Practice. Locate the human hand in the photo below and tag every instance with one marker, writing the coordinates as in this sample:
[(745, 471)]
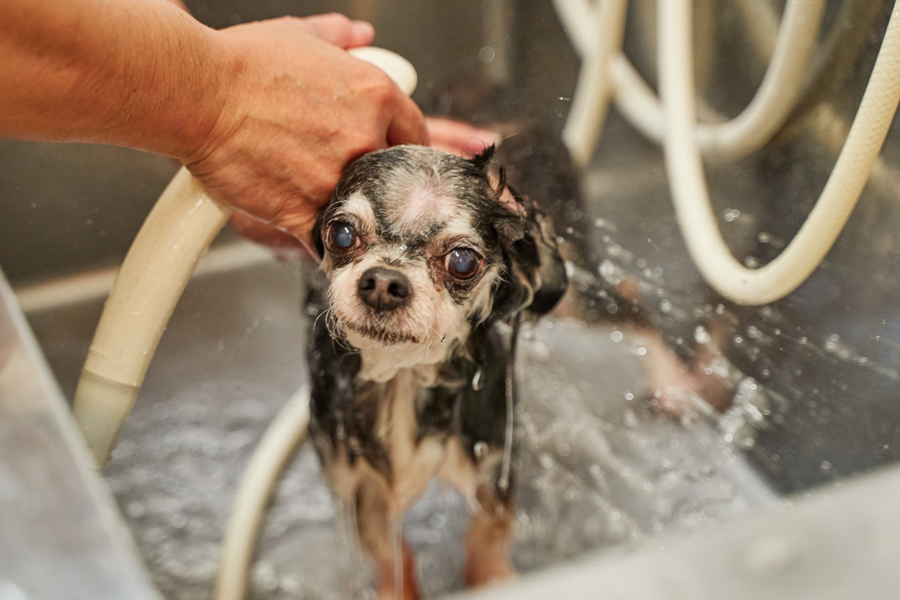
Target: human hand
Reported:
[(298, 110), (451, 136), (457, 137)]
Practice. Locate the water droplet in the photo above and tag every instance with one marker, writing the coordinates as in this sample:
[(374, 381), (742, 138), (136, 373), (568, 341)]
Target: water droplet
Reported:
[(478, 384), (487, 55), (701, 336), (545, 461), (731, 214), (135, 510), (178, 521), (616, 336), (480, 449)]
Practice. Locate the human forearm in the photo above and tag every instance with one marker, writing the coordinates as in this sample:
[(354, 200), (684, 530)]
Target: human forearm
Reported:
[(138, 73), (267, 115)]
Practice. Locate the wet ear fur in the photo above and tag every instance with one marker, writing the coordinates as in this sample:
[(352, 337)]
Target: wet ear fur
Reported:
[(507, 219), (535, 274), (481, 160), (535, 278)]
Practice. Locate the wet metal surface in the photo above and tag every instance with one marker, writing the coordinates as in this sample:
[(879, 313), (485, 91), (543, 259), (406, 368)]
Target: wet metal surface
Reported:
[(60, 536), (836, 543), (597, 465)]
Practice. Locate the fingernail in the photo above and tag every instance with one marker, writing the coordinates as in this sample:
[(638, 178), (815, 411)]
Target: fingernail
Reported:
[(364, 29)]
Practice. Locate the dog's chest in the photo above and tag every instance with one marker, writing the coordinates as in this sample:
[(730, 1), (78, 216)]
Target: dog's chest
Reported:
[(395, 446), (415, 458)]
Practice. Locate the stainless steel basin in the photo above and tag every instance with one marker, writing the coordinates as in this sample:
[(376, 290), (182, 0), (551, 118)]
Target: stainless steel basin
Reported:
[(810, 382), (599, 467)]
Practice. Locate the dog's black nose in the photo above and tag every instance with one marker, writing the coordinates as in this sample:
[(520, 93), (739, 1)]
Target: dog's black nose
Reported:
[(384, 289)]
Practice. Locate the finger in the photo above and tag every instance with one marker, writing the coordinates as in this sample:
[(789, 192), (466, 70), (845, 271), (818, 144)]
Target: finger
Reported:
[(263, 233), (340, 31), (408, 125), (458, 137)]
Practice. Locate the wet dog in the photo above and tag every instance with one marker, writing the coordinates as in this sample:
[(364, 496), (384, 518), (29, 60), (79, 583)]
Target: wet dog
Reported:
[(430, 262)]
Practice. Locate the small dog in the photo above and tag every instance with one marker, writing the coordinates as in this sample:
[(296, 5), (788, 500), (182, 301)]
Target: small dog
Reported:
[(430, 261)]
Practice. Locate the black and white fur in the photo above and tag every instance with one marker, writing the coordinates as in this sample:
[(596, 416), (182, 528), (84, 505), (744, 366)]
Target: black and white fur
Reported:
[(410, 363)]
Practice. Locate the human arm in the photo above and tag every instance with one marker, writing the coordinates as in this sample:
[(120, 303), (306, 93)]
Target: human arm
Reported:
[(267, 114)]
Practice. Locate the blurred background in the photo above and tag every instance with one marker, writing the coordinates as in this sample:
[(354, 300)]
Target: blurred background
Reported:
[(650, 405)]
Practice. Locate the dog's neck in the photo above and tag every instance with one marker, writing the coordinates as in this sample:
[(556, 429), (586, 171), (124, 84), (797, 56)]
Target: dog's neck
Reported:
[(382, 364)]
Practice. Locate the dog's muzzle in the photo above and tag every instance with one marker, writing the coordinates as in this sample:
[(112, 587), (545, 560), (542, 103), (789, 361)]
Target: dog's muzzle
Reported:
[(384, 289)]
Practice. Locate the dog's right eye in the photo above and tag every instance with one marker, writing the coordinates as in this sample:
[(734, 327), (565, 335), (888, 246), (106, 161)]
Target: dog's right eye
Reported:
[(342, 236), (463, 263)]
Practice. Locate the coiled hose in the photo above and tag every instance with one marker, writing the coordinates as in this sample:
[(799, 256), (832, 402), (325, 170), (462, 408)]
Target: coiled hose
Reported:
[(740, 136), (673, 122), (687, 180)]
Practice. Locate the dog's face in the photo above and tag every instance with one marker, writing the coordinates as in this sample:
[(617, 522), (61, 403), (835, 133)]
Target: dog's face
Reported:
[(420, 246)]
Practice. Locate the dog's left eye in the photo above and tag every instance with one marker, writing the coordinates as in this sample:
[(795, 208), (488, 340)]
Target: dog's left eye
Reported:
[(463, 263), (342, 236)]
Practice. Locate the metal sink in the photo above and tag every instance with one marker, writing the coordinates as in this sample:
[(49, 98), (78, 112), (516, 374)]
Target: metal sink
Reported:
[(600, 468), (814, 377)]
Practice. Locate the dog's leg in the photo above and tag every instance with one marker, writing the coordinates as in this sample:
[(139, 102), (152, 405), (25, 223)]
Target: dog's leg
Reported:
[(488, 540), (383, 540)]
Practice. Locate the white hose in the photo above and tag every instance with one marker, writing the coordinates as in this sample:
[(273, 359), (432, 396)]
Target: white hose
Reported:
[(594, 90), (771, 104), (286, 432), (685, 168), (744, 134), (159, 264)]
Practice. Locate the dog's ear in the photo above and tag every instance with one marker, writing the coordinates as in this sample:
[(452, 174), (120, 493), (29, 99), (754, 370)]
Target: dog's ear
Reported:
[(318, 243), (535, 275), (483, 158), (552, 275)]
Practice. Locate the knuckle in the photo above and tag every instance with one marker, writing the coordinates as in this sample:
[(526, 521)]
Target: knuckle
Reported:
[(380, 88)]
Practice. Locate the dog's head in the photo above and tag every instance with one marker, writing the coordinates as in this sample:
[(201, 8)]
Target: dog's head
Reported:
[(421, 246)]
